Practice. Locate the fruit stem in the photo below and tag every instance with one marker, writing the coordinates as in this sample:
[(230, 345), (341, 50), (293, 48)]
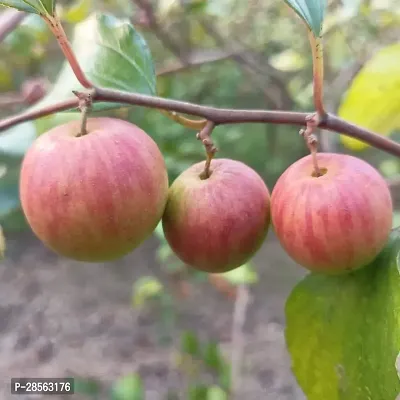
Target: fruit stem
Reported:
[(312, 122), (85, 106), (54, 23), (205, 136)]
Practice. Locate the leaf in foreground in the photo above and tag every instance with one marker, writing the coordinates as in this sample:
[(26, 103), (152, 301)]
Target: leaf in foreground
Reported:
[(343, 333)]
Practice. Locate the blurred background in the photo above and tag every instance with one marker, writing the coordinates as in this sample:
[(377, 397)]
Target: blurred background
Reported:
[(146, 326)]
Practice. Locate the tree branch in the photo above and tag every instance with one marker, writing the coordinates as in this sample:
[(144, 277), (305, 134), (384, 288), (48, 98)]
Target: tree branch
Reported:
[(9, 20), (219, 116)]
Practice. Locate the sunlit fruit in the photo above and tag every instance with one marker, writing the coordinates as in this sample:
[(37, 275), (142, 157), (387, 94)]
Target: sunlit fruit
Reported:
[(217, 224), (94, 197), (336, 222)]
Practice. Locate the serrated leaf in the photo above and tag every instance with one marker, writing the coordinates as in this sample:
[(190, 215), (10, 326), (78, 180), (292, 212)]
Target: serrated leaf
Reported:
[(343, 332), (373, 99), (31, 6), (144, 289), (242, 275), (112, 54), (312, 12), (129, 387)]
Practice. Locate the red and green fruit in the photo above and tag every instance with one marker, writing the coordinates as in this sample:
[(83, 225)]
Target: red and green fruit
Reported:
[(94, 197), (336, 222), (217, 224)]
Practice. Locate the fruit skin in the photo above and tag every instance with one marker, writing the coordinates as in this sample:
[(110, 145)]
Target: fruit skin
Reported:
[(95, 197), (217, 224), (337, 222)]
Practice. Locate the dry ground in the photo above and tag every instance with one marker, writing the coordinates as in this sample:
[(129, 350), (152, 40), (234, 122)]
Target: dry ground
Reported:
[(59, 316)]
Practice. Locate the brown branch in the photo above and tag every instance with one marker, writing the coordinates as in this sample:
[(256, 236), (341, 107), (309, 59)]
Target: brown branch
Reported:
[(9, 20), (57, 29), (218, 116)]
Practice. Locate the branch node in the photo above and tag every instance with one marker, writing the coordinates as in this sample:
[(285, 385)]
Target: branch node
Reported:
[(205, 136)]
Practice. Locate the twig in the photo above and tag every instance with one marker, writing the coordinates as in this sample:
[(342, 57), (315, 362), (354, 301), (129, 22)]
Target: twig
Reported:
[(318, 72), (57, 29), (219, 116), (239, 319), (9, 20)]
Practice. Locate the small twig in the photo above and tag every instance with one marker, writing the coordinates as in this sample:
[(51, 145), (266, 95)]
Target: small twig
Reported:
[(85, 103), (237, 342), (205, 136), (57, 29)]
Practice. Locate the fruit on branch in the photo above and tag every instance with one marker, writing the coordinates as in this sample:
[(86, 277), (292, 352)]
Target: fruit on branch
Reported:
[(217, 224), (336, 222), (94, 197)]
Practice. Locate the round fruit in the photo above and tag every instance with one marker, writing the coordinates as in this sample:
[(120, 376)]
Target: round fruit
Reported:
[(217, 224), (94, 197), (336, 222)]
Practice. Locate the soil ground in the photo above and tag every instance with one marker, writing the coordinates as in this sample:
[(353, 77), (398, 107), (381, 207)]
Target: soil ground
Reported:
[(59, 317)]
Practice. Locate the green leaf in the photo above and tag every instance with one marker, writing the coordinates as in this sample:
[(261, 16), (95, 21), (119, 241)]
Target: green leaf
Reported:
[(190, 344), (197, 392), (373, 99), (213, 357), (31, 6), (242, 275), (145, 288), (129, 387), (216, 393), (2, 243), (112, 54), (343, 333), (311, 11)]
